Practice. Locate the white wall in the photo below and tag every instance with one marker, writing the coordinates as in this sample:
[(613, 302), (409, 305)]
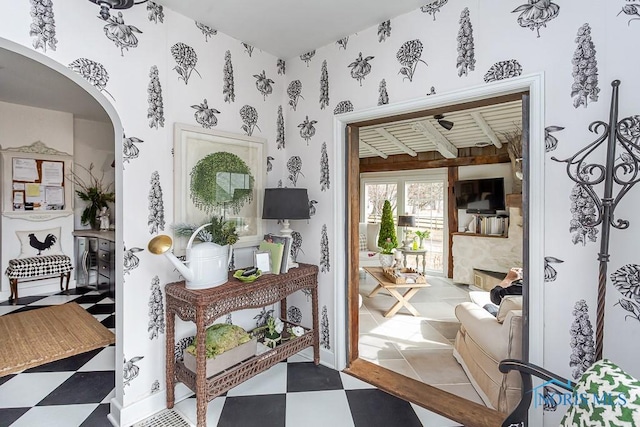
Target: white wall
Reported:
[(20, 126)]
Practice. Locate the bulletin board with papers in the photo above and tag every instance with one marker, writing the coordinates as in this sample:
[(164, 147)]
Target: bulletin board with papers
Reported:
[(35, 183)]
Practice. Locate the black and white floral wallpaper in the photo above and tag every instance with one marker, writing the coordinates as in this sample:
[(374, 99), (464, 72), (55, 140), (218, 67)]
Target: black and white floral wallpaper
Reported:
[(204, 115), (43, 25), (169, 43), (186, 61), (409, 56), (582, 344), (585, 69), (360, 67), (324, 85), (121, 34), (155, 112), (207, 31), (156, 309), (156, 205), (536, 14)]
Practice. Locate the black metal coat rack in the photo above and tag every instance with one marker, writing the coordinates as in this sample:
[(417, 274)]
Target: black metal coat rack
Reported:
[(619, 174)]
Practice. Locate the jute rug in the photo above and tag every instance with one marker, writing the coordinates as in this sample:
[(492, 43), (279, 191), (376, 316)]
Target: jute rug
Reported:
[(35, 337)]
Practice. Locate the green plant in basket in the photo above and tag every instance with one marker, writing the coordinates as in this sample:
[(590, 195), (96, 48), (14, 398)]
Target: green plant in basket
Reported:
[(220, 338), (272, 331)]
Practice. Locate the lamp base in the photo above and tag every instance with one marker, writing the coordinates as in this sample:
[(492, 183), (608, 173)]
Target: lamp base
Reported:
[(286, 232)]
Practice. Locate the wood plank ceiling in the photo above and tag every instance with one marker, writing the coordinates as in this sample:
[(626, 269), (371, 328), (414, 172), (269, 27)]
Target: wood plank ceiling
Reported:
[(476, 127)]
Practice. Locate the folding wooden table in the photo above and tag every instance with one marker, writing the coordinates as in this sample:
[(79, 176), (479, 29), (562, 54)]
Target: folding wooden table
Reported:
[(392, 288)]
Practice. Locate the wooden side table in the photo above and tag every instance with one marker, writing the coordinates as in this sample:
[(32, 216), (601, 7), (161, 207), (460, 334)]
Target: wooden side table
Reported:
[(204, 306), (417, 253)]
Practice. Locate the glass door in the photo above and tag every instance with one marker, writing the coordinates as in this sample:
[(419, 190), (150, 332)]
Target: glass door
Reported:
[(374, 196), (425, 199)]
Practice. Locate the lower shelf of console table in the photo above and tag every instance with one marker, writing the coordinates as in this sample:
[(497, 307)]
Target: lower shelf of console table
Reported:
[(227, 379)]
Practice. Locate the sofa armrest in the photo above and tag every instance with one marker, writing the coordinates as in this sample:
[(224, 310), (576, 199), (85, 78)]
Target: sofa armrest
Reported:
[(499, 341)]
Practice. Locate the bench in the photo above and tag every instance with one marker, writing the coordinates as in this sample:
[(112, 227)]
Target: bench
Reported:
[(37, 268)]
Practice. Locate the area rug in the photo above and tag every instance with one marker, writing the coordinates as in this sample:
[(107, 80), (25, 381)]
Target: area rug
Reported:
[(35, 337)]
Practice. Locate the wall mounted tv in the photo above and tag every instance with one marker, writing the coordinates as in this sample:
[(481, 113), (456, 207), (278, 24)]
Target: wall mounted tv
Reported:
[(484, 195)]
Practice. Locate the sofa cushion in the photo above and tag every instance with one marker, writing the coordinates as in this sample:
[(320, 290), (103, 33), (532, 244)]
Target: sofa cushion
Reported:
[(511, 302), (363, 242), (372, 236), (605, 379)]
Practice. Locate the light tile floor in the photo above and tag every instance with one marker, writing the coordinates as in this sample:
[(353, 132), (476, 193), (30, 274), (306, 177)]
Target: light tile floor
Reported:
[(417, 347)]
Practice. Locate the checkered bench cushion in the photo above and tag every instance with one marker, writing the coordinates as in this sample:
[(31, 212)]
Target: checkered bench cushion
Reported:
[(49, 265)]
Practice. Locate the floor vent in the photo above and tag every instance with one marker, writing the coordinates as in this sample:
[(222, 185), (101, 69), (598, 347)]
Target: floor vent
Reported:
[(166, 418)]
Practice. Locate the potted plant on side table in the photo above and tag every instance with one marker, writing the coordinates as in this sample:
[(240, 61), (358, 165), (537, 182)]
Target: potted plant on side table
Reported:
[(422, 235)]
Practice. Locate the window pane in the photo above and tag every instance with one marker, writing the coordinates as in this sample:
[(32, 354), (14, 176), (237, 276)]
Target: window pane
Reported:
[(426, 201), (374, 197)]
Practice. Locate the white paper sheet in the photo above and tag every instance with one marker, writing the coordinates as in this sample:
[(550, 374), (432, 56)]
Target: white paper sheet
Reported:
[(18, 198), (51, 173), (54, 195), (25, 170)]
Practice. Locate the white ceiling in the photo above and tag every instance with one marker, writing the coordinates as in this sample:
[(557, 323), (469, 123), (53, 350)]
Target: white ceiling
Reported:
[(288, 28), (24, 81)]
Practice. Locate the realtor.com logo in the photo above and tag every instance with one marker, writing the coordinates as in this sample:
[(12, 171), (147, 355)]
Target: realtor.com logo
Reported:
[(549, 397)]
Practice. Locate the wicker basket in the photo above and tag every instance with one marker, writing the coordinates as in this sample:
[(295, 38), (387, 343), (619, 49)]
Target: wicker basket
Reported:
[(404, 275)]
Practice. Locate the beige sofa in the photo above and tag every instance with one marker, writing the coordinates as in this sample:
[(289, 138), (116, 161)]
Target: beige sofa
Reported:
[(483, 341)]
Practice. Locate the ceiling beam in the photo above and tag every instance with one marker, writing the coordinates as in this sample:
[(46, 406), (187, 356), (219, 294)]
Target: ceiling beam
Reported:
[(373, 150), (443, 145), (395, 141), (482, 123)]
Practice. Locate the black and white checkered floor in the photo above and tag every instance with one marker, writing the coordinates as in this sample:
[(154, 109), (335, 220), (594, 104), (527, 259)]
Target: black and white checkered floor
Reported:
[(76, 391)]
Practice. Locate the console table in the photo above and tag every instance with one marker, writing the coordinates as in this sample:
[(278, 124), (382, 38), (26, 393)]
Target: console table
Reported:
[(204, 306)]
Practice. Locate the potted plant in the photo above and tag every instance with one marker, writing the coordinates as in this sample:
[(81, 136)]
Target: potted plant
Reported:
[(94, 192), (386, 253), (219, 231), (422, 235), (387, 227)]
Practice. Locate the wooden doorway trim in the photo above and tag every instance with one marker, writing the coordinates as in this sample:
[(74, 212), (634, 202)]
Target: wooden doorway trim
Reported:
[(346, 298)]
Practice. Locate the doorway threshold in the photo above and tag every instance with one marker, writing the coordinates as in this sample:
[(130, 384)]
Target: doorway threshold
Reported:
[(434, 399)]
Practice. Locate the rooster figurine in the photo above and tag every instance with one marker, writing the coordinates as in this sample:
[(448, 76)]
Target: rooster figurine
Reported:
[(49, 241)]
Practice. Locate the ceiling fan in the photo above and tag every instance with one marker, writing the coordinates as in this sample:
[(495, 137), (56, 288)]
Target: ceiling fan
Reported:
[(448, 125)]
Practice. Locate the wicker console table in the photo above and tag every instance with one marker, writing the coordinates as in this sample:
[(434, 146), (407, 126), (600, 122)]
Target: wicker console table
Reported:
[(204, 306)]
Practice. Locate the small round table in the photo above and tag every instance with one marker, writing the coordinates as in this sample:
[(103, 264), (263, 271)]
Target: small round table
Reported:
[(417, 253)]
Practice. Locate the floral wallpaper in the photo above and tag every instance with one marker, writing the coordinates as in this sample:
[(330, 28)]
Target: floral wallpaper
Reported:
[(166, 68)]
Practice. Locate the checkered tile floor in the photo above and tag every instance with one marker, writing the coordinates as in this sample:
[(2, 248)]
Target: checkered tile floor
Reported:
[(76, 391)]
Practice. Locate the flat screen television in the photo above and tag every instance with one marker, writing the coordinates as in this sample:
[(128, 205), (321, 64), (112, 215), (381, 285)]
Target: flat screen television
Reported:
[(484, 195)]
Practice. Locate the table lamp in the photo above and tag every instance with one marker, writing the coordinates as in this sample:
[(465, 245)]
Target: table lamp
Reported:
[(406, 221), (286, 204)]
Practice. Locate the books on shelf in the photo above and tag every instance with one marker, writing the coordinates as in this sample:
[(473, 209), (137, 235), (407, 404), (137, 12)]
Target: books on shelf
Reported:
[(279, 247)]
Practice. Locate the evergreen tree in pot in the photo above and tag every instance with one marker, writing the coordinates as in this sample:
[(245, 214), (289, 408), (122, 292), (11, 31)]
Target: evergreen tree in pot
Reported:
[(387, 239)]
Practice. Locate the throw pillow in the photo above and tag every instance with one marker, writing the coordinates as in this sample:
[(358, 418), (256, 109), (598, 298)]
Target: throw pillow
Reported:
[(39, 242), (508, 303), (372, 237), (363, 242), (611, 398)]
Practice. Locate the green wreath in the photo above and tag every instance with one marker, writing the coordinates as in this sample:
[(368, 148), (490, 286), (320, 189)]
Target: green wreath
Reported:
[(221, 180)]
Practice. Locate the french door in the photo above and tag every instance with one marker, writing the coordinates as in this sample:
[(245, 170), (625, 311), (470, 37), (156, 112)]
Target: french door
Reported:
[(421, 194)]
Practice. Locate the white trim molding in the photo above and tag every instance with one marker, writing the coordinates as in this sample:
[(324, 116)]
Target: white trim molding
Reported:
[(534, 84)]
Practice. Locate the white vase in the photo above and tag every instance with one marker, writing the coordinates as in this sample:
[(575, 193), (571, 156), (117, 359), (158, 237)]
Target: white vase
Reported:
[(386, 260)]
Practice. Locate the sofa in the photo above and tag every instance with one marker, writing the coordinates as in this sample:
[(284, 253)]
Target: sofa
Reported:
[(368, 238), (483, 341)]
